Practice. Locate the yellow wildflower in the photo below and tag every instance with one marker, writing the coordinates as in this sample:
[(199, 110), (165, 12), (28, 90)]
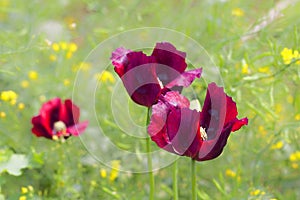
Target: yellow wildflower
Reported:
[(69, 55), (24, 190), (278, 108), (295, 165), (288, 55), (33, 75), (105, 76), (262, 130), (84, 66), (21, 106), (42, 98), (295, 156), (115, 170), (55, 47), (9, 96), (63, 45), (52, 57), (67, 82), (297, 117), (22, 198), (30, 188), (237, 12), (72, 47), (2, 114), (230, 173), (277, 145), (264, 69), (245, 67), (103, 173), (24, 84), (255, 192), (290, 99)]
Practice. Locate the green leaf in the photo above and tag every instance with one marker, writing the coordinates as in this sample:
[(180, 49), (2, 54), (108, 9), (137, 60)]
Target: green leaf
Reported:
[(36, 160), (14, 165)]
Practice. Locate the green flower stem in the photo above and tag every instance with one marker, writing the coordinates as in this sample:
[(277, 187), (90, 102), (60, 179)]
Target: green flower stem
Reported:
[(175, 183), (193, 176), (149, 157)]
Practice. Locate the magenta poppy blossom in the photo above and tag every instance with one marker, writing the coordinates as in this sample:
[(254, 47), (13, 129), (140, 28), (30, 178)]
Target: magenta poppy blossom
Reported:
[(147, 77), (199, 135), (58, 120)]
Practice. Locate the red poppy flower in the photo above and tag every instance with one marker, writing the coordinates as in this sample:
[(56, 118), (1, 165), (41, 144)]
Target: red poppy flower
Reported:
[(199, 135), (146, 77), (58, 120)]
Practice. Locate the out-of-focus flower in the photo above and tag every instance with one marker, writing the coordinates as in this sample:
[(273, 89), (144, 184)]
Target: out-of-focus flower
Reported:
[(265, 70), (105, 76), (84, 66), (21, 106), (9, 96), (115, 164), (32, 75), (24, 84), (288, 55), (199, 135), (103, 173), (245, 67), (72, 47), (55, 47), (295, 165), (237, 12), (52, 57), (67, 82), (42, 98), (58, 120), (230, 173), (257, 192), (262, 130), (2, 114), (63, 45), (147, 77), (290, 99), (24, 190), (295, 156), (22, 197), (277, 145), (297, 117), (71, 23)]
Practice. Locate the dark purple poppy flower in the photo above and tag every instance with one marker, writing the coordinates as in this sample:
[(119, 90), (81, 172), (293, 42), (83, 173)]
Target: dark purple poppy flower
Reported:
[(58, 120), (146, 77), (199, 135)]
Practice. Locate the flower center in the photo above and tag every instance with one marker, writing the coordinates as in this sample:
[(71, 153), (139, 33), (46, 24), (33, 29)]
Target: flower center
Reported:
[(203, 133), (60, 126), (60, 129)]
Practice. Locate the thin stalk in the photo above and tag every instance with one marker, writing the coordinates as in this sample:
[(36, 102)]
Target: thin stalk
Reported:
[(193, 177), (175, 182), (149, 157)]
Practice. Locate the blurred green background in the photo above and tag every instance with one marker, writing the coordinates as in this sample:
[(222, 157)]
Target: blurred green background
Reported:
[(255, 44)]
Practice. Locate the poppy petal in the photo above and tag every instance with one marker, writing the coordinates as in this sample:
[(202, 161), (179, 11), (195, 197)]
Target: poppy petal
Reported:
[(77, 129), (186, 78), (119, 60), (171, 62), (140, 79)]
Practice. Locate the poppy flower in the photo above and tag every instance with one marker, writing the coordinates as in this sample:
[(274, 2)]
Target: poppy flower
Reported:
[(58, 120), (147, 77), (199, 135)]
